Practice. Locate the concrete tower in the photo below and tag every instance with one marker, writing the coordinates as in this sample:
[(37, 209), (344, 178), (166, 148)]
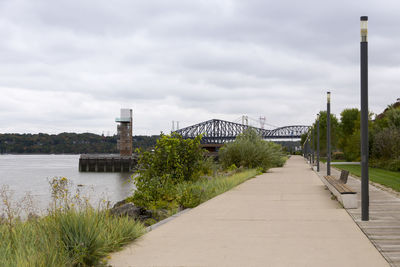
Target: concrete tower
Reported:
[(124, 128)]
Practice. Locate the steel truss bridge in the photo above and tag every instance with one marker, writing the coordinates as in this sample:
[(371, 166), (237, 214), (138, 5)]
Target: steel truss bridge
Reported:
[(219, 132)]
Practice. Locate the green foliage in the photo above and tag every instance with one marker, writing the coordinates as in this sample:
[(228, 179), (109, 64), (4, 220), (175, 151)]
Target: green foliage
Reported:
[(351, 148), (250, 151), (79, 233), (68, 238), (174, 160), (393, 117), (192, 194), (387, 144), (67, 143), (349, 121), (385, 139), (335, 131), (387, 164), (73, 235), (337, 156), (349, 140)]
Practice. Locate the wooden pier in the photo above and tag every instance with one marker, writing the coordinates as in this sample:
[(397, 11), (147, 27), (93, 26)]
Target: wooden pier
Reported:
[(107, 163)]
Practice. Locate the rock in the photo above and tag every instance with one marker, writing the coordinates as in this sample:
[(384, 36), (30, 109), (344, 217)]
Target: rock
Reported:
[(127, 209), (119, 203)]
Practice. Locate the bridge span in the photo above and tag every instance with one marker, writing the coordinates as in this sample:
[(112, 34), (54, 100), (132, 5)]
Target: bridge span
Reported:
[(218, 132)]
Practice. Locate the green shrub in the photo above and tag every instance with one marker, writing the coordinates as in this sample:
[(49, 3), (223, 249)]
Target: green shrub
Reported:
[(74, 236), (387, 164), (174, 160), (250, 151), (338, 155), (192, 194), (189, 195)]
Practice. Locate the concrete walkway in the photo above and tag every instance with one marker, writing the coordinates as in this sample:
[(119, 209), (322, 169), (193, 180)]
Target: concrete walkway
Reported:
[(383, 227), (282, 218)]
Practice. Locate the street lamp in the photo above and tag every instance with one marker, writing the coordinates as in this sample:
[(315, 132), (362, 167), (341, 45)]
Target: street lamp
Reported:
[(318, 142), (364, 118), (328, 134)]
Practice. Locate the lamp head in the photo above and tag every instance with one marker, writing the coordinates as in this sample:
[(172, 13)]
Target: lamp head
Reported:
[(364, 28)]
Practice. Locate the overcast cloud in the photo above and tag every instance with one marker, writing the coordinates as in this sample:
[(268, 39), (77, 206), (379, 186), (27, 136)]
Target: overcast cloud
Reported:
[(69, 65)]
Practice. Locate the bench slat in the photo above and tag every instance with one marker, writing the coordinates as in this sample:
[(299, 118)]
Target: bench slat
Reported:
[(340, 187)]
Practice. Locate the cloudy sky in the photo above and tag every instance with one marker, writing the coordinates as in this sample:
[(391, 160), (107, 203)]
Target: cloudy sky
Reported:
[(70, 65)]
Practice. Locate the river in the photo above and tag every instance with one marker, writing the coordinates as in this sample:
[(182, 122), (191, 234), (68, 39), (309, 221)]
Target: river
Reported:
[(31, 173)]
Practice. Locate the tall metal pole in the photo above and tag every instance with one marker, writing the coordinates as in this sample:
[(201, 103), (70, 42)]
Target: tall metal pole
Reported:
[(328, 134), (364, 119), (318, 143), (313, 145)]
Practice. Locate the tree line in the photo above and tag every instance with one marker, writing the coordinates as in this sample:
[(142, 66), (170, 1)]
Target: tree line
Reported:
[(384, 136), (67, 143)]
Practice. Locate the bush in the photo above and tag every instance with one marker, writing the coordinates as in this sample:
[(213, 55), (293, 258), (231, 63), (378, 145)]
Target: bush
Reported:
[(77, 235), (386, 144), (250, 151), (338, 155), (388, 164), (174, 160)]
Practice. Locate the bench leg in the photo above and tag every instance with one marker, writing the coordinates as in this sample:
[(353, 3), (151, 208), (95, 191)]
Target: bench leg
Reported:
[(349, 201)]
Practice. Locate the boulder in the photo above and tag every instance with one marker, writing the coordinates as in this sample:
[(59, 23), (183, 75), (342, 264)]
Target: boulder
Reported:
[(127, 209), (119, 203)]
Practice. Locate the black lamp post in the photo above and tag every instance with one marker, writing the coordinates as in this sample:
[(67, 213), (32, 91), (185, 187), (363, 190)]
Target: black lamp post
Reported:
[(328, 134), (312, 146), (364, 119)]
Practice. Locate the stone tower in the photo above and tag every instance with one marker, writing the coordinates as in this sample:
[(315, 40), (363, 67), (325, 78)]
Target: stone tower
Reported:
[(124, 143)]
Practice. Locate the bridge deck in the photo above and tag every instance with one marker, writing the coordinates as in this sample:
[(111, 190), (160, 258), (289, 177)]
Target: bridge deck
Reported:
[(282, 218)]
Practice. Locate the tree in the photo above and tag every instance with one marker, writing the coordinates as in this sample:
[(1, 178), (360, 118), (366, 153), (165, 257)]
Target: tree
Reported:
[(349, 140), (322, 132)]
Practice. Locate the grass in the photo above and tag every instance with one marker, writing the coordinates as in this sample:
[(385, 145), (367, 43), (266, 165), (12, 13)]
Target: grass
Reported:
[(332, 160), (73, 233), (67, 238), (387, 178), (192, 194)]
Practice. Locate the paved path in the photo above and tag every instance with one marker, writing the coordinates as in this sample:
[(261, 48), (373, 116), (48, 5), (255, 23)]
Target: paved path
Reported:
[(383, 228), (282, 218)]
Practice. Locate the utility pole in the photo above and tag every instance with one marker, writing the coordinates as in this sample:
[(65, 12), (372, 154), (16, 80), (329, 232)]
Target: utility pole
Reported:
[(364, 119), (328, 134), (318, 142)]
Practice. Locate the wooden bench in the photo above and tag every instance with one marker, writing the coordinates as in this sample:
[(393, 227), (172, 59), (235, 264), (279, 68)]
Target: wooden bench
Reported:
[(346, 195)]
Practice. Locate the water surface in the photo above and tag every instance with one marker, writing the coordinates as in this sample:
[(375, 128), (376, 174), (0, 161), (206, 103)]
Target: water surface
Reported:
[(31, 173)]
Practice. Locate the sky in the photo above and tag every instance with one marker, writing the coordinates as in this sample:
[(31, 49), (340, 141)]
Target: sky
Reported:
[(70, 65)]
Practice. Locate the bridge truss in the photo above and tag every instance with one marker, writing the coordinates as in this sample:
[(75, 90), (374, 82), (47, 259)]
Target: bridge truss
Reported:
[(219, 131)]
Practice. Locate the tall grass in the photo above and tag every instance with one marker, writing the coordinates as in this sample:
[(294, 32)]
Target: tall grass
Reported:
[(70, 235), (192, 194)]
